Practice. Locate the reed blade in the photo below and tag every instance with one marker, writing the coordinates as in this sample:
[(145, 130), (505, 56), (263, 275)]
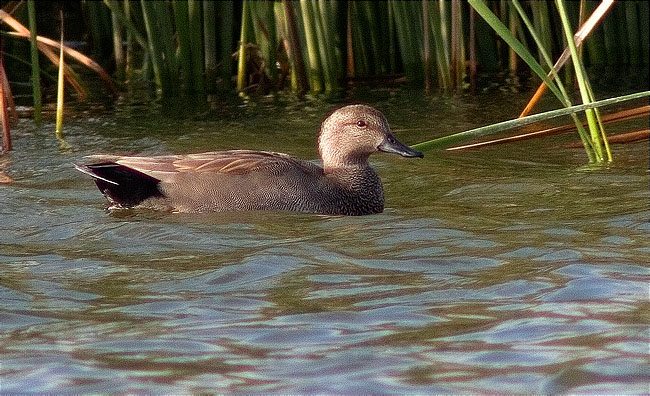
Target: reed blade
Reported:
[(36, 70), (482, 9), (226, 14), (118, 49), (196, 83), (4, 116), (182, 21), (583, 32), (294, 49), (210, 45), (60, 89), (601, 150), (445, 141), (313, 57), (642, 111), (243, 40)]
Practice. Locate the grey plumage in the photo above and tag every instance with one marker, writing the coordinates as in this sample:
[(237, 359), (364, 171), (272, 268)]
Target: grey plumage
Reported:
[(243, 180)]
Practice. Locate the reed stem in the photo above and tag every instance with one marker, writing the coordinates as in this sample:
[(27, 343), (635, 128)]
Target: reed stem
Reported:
[(4, 117), (315, 81), (457, 46), (129, 67), (210, 45), (60, 89), (182, 20), (118, 49), (294, 50), (36, 70), (196, 26), (243, 40), (546, 58), (596, 137), (427, 47), (226, 14)]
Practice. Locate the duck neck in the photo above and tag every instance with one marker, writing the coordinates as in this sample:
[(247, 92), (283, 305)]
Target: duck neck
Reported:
[(355, 176), (356, 189), (349, 162)]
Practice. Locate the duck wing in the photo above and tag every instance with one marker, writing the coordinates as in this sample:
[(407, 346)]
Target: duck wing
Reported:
[(234, 162), (127, 181)]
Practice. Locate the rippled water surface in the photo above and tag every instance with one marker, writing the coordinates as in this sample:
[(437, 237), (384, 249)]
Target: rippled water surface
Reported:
[(509, 269)]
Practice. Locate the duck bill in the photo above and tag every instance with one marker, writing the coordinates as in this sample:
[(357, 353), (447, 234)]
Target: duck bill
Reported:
[(392, 145)]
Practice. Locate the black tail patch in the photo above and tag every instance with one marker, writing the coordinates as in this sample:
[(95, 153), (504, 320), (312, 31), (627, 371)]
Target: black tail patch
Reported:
[(122, 185)]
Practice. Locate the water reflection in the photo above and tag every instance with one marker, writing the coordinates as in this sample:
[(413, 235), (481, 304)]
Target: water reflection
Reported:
[(501, 270)]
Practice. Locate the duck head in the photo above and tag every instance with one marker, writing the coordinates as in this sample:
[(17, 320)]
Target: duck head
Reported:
[(350, 134)]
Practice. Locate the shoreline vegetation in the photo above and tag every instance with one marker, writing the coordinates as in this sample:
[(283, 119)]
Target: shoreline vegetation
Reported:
[(315, 47)]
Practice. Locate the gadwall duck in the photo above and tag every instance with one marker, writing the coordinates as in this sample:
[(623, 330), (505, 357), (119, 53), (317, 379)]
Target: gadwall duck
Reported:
[(241, 180)]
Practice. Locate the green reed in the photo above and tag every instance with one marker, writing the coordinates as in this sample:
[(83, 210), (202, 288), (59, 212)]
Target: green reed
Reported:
[(185, 46), (554, 85), (540, 39), (60, 89), (261, 56), (210, 60), (318, 46), (599, 144), (194, 76), (225, 15), (595, 142), (446, 141), (289, 24), (125, 18), (118, 49), (157, 22), (241, 54), (36, 72), (408, 27), (4, 115), (425, 41)]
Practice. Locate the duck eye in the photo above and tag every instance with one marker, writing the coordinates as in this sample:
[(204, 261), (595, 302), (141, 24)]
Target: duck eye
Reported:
[(361, 124)]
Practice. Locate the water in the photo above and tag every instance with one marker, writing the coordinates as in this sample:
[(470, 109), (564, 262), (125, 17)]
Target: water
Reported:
[(508, 269)]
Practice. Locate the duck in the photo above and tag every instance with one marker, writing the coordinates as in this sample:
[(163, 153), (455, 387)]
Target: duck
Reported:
[(247, 180)]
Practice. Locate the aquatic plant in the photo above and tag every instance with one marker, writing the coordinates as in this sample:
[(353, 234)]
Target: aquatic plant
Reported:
[(36, 71), (45, 46), (446, 141), (60, 89), (636, 112), (4, 116), (594, 142), (317, 46)]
